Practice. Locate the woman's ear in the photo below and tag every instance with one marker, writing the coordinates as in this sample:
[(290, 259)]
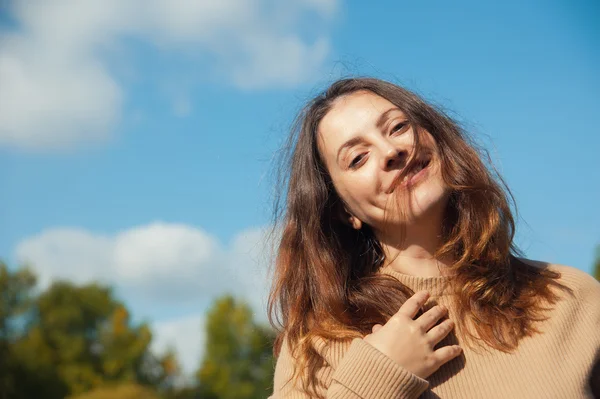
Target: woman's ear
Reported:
[(347, 218), (355, 222)]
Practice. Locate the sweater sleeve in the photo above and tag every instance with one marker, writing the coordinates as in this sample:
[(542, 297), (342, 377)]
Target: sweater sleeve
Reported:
[(363, 373)]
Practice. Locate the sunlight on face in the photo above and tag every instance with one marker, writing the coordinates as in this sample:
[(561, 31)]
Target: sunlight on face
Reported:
[(365, 142)]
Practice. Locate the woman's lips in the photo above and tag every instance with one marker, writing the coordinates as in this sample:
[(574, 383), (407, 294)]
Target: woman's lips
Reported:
[(411, 180)]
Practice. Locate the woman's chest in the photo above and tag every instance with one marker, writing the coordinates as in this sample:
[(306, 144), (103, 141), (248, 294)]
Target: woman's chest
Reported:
[(543, 368)]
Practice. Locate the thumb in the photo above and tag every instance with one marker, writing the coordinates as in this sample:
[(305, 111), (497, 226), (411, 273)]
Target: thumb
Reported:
[(376, 327)]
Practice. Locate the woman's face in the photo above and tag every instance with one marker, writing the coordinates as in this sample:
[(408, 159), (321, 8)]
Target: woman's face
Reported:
[(365, 142)]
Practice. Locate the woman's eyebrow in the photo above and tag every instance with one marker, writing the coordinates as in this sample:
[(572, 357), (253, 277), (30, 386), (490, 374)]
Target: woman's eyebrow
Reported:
[(350, 143), (384, 116)]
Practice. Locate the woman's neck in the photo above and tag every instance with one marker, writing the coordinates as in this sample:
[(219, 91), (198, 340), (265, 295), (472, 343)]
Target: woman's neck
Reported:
[(413, 250), (416, 261)]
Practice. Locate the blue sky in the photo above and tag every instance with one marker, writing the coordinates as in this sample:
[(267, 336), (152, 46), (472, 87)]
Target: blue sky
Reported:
[(141, 134)]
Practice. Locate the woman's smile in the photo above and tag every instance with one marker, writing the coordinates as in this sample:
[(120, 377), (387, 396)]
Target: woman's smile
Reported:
[(419, 172)]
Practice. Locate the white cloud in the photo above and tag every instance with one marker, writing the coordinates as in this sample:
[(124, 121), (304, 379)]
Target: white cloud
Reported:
[(48, 102), (162, 266), (185, 335), (58, 90), (300, 61), (70, 253)]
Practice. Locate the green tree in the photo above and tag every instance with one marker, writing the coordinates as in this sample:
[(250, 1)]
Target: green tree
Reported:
[(125, 391), (15, 298), (238, 362), (87, 336), (79, 338), (17, 379), (183, 392)]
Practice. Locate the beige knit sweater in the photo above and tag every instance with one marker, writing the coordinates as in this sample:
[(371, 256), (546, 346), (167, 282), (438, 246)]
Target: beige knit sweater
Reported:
[(554, 364)]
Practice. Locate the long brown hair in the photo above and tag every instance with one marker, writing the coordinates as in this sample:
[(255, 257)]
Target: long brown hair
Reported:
[(326, 283)]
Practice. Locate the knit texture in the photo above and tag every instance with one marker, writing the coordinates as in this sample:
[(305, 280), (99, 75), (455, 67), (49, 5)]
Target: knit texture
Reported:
[(556, 363)]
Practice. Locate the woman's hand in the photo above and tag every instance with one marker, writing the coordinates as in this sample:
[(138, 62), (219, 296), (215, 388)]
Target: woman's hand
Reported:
[(411, 342)]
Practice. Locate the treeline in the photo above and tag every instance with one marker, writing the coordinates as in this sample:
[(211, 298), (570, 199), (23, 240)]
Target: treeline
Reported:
[(79, 342)]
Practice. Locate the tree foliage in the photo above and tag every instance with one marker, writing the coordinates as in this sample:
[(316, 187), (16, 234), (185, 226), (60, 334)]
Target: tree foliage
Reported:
[(238, 361), (88, 337), (71, 339), (124, 391), (15, 297), (79, 342)]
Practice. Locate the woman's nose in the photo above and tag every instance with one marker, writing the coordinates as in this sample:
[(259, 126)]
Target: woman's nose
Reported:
[(394, 158)]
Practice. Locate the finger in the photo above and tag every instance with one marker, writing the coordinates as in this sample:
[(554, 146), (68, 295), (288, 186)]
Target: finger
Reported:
[(431, 317), (439, 332), (412, 306), (376, 327), (446, 353)]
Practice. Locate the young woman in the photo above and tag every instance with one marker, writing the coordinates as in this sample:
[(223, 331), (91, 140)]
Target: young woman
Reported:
[(386, 197)]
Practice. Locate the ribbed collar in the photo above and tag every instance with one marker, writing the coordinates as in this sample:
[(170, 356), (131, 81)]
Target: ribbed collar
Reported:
[(436, 286)]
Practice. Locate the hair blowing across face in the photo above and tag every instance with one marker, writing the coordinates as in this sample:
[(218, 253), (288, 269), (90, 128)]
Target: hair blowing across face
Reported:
[(326, 283)]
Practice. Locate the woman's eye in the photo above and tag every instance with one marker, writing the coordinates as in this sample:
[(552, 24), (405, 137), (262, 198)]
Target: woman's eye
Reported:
[(399, 127), (356, 161)]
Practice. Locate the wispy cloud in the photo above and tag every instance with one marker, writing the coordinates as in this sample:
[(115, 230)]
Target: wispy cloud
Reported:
[(58, 90)]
